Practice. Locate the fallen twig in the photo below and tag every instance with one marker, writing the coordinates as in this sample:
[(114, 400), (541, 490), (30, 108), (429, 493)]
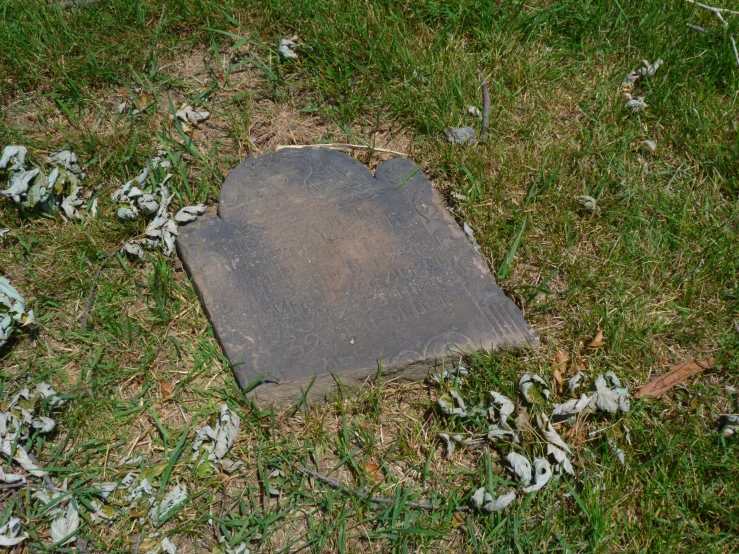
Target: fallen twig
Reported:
[(341, 147), (717, 12), (733, 46), (138, 543), (485, 105), (712, 8), (91, 293), (696, 28), (75, 3), (374, 499)]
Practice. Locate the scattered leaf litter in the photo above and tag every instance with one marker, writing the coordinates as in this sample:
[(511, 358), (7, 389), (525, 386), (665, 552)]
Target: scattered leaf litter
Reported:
[(13, 311), (46, 186)]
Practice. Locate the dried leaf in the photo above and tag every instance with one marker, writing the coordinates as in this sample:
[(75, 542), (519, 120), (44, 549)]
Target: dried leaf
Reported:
[(598, 341), (458, 371), (677, 374), (574, 381), (65, 526), (373, 471), (168, 546), (171, 500), (647, 147), (648, 70), (474, 111), (520, 466), (141, 101), (470, 235), (571, 407), (636, 104), (501, 430), (558, 380), (189, 213), (167, 389), (226, 431), (452, 404), (186, 114), (562, 462), (533, 388), (10, 478), (542, 474), (505, 405), (728, 424), (550, 434), (10, 533), (449, 442), (483, 500), (286, 49), (560, 360), (588, 203)]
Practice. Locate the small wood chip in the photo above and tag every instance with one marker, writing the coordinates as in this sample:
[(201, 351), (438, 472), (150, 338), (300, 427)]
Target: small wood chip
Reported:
[(677, 374)]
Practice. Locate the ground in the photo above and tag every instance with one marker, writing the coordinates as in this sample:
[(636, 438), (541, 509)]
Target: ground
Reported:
[(654, 266)]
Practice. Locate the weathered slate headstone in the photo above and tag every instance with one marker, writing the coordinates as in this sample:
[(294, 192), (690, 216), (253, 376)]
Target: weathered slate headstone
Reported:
[(315, 268)]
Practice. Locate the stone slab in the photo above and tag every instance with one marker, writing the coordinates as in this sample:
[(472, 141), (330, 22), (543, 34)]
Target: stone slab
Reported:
[(314, 268)]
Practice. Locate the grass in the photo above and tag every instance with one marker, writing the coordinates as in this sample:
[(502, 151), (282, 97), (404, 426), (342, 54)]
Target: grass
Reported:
[(655, 267)]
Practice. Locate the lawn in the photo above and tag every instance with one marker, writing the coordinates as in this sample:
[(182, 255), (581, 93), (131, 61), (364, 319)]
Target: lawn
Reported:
[(653, 265)]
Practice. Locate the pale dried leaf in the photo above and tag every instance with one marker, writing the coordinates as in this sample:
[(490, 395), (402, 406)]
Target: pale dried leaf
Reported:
[(505, 405), (587, 203), (189, 213), (636, 104), (286, 49), (452, 404), (10, 533), (560, 457), (65, 526), (729, 424), (550, 434), (520, 466), (533, 388), (542, 474)]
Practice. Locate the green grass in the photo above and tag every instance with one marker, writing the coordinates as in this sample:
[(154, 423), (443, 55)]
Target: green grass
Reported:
[(655, 267)]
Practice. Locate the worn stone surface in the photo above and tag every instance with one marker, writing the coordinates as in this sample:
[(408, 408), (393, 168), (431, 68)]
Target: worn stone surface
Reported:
[(315, 268)]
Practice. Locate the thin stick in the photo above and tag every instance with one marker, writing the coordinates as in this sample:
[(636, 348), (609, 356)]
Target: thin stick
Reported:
[(717, 12), (733, 45), (341, 147), (138, 543), (697, 28), (485, 105), (374, 499), (91, 294), (75, 3), (712, 8)]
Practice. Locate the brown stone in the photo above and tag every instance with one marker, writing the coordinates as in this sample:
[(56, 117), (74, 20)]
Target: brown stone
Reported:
[(314, 268)]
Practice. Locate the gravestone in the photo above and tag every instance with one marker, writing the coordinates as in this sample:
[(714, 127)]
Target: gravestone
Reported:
[(315, 269)]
